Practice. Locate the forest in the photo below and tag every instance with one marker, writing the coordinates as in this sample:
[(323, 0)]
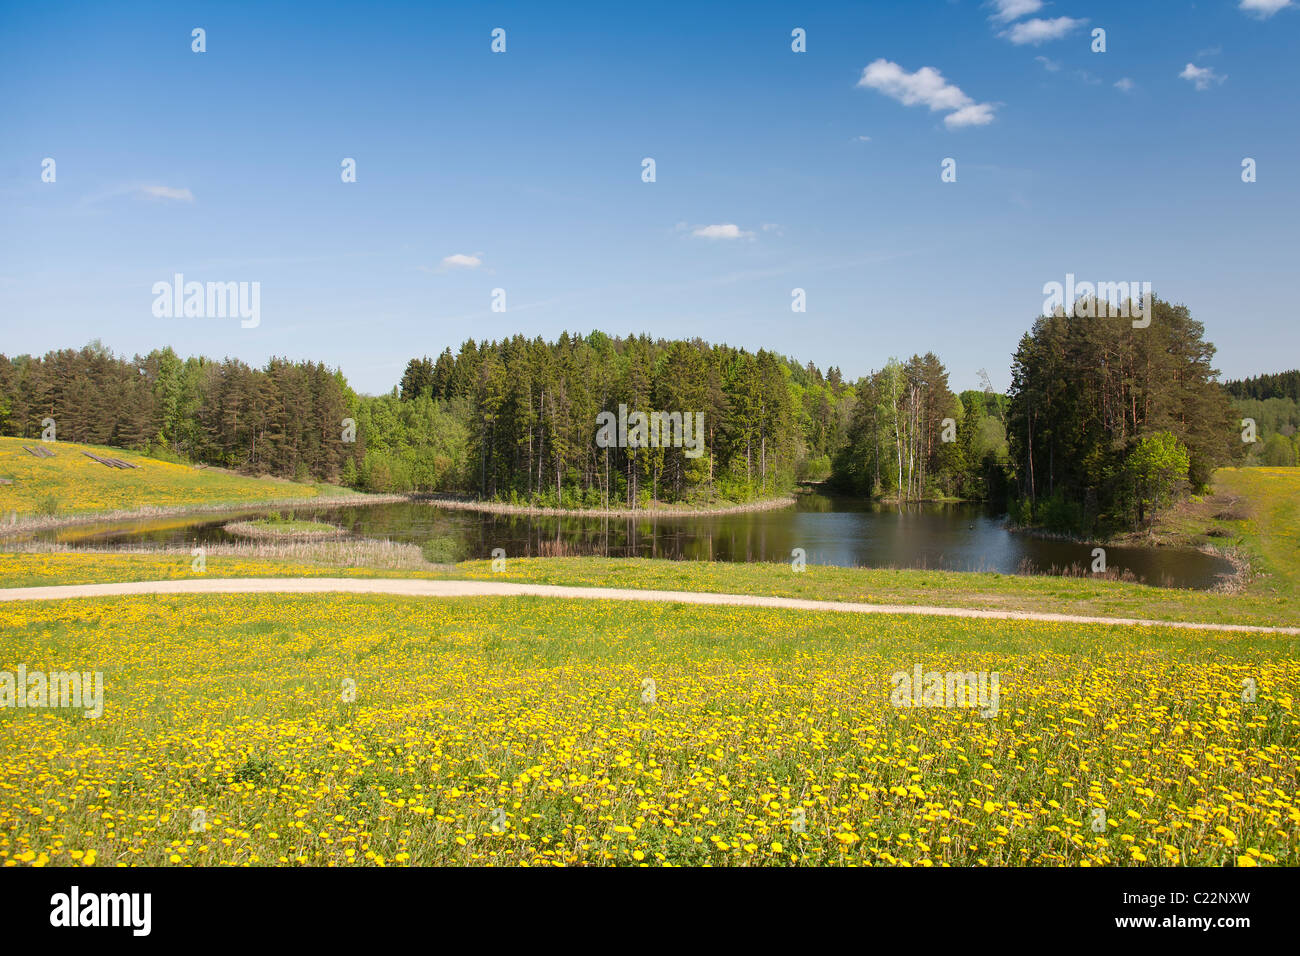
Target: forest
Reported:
[(1104, 424), (1272, 404), (1108, 423), (518, 422)]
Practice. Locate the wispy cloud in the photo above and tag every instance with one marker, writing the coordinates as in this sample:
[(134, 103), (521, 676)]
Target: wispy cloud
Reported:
[(1125, 85), (1263, 8), (926, 87), (1036, 31), (1007, 10), (1050, 65), (623, 291), (148, 191), (164, 192), (727, 230), (1202, 77)]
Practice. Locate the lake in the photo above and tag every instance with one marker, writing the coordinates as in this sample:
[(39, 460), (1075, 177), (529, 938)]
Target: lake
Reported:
[(832, 530)]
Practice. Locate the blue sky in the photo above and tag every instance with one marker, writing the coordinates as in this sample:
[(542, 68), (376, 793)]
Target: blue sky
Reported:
[(526, 165)]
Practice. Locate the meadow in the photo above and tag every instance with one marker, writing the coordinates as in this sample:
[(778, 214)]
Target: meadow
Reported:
[(19, 570), (337, 730), (342, 729), (70, 483)]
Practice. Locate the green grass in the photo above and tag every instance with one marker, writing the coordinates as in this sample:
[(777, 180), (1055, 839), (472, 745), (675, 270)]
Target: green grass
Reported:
[(291, 525), (91, 567), (906, 587), (1269, 533)]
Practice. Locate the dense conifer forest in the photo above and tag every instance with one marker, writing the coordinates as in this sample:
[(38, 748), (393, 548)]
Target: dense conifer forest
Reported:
[(1104, 423)]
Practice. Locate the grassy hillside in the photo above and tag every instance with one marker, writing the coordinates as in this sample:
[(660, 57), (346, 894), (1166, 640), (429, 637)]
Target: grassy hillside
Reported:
[(1257, 510), (71, 483)]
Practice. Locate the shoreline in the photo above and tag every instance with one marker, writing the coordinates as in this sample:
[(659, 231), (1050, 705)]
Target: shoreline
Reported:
[(663, 511), (32, 523), (1243, 571), (48, 522)]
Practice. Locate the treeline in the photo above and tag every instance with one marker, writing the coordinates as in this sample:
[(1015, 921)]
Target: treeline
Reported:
[(523, 415), (516, 420), (1263, 387), (911, 438), (1107, 422), (511, 420), (284, 419), (1103, 425), (1271, 405)]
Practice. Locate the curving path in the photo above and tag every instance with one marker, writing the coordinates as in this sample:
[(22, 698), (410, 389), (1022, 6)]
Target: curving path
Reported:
[(420, 587)]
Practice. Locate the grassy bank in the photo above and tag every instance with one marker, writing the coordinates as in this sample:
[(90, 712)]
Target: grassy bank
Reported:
[(241, 560), (1255, 511), (495, 731), (70, 483), (886, 586), (654, 509)]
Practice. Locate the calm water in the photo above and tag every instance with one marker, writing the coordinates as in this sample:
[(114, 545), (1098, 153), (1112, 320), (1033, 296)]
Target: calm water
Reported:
[(838, 531)]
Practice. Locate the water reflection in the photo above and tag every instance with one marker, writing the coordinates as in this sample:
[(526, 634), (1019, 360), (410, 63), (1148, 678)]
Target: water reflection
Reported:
[(836, 531)]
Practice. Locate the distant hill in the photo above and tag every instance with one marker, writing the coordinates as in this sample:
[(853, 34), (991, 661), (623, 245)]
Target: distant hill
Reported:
[(1263, 387)]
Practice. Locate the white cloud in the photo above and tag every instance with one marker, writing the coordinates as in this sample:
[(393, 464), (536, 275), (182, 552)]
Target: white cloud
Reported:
[(1006, 10), (728, 230), (1203, 77), (1038, 31), (863, 139), (926, 87), (1124, 84), (462, 261), (1050, 65), (977, 114), (1263, 8), (164, 192)]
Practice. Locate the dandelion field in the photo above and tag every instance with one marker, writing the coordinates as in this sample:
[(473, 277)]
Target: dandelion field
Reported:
[(515, 731)]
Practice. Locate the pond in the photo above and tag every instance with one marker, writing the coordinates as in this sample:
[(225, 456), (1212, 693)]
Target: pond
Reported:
[(832, 530)]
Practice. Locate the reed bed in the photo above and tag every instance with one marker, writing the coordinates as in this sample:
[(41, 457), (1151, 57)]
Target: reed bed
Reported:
[(347, 552), (18, 524)]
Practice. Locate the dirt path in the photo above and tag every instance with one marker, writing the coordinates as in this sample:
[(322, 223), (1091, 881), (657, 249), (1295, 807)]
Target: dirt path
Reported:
[(415, 587)]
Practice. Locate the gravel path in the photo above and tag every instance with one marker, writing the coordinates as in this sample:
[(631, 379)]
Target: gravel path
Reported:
[(415, 587)]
